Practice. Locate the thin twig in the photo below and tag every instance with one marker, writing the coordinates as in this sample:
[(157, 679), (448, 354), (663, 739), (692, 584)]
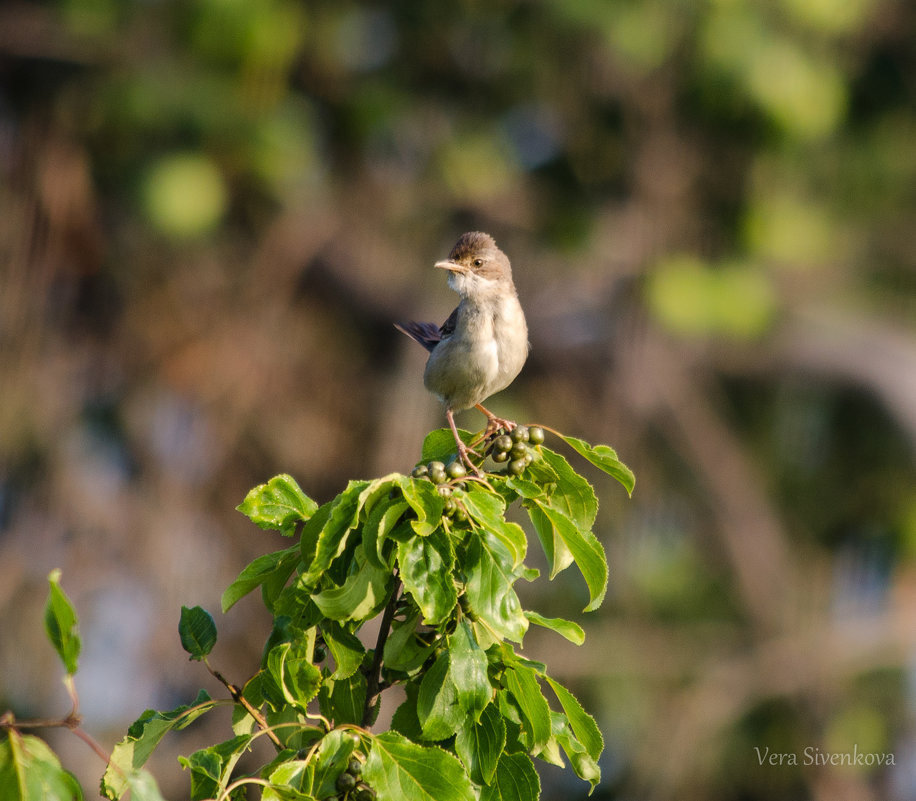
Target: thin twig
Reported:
[(373, 681), (237, 696)]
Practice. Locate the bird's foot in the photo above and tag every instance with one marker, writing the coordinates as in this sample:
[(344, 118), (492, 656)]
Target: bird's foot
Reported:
[(497, 424), (494, 423), (464, 456)]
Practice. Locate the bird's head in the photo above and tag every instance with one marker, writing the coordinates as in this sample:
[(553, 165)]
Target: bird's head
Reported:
[(477, 267)]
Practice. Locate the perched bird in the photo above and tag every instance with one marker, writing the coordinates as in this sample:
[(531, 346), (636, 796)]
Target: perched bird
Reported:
[(482, 346)]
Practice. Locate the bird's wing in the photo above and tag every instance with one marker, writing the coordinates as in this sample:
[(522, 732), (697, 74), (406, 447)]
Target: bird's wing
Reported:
[(427, 334), (448, 327)]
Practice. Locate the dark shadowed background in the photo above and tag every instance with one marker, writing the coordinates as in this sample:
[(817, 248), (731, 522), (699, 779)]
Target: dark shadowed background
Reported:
[(212, 211)]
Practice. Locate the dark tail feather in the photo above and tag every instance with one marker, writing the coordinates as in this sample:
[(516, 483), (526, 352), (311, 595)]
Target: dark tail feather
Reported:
[(427, 334)]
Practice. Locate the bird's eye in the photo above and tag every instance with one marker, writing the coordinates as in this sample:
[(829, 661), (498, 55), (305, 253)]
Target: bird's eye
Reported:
[(478, 262)]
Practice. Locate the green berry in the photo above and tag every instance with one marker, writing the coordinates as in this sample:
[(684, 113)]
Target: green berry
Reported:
[(365, 793), (450, 506), (444, 490), (435, 466), (345, 782), (536, 435), (517, 467), (456, 470), (502, 444), (319, 654), (519, 434), (500, 456), (419, 471), (519, 451), (355, 768)]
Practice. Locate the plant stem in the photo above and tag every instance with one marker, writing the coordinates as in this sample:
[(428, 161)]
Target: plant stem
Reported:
[(373, 680), (237, 696)]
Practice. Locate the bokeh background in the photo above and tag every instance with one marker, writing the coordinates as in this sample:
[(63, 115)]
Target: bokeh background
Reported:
[(211, 212)]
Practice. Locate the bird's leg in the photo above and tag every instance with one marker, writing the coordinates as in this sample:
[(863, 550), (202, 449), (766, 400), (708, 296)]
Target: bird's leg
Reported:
[(463, 450), (494, 423)]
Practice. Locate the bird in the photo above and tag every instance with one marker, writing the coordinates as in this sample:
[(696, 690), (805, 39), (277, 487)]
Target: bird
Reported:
[(483, 345)]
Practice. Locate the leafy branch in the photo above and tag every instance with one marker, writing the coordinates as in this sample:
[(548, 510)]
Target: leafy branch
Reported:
[(433, 558)]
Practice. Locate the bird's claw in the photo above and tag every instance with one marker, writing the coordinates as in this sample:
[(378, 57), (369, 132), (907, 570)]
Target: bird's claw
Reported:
[(464, 455)]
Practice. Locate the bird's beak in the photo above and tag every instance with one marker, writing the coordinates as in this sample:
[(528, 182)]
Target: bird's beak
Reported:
[(450, 265)]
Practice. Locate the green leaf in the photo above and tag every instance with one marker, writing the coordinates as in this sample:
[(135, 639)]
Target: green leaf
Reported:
[(345, 647), (558, 555), (343, 700), (515, 779), (585, 766), (363, 593), (437, 703), (402, 770), (488, 509), (479, 744), (405, 720), (61, 624), (604, 458), (426, 502), (468, 671), (426, 571), (456, 688), (489, 576), (586, 550), (278, 504), (583, 725), (522, 683), (31, 771), (382, 519), (290, 781), (339, 518), (404, 651), (142, 787), (197, 631), (571, 493), (212, 767), (271, 566), (331, 759), (565, 628), (290, 672), (131, 753), (439, 445)]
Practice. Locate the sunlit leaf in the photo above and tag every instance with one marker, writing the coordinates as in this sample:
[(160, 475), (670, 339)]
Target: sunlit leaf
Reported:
[(399, 769), (426, 570), (278, 504), (61, 624), (31, 771), (479, 744), (565, 628), (515, 779)]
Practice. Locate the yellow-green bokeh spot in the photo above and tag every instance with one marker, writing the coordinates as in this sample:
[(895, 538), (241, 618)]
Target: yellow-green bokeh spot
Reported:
[(804, 96), (788, 230), (858, 728), (477, 166), (829, 17), (691, 298), (184, 195)]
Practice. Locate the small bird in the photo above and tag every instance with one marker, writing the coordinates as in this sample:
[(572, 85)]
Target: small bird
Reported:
[(483, 345)]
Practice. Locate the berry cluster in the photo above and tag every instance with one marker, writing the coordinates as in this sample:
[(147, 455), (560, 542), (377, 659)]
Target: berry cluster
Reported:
[(514, 448), (349, 787)]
